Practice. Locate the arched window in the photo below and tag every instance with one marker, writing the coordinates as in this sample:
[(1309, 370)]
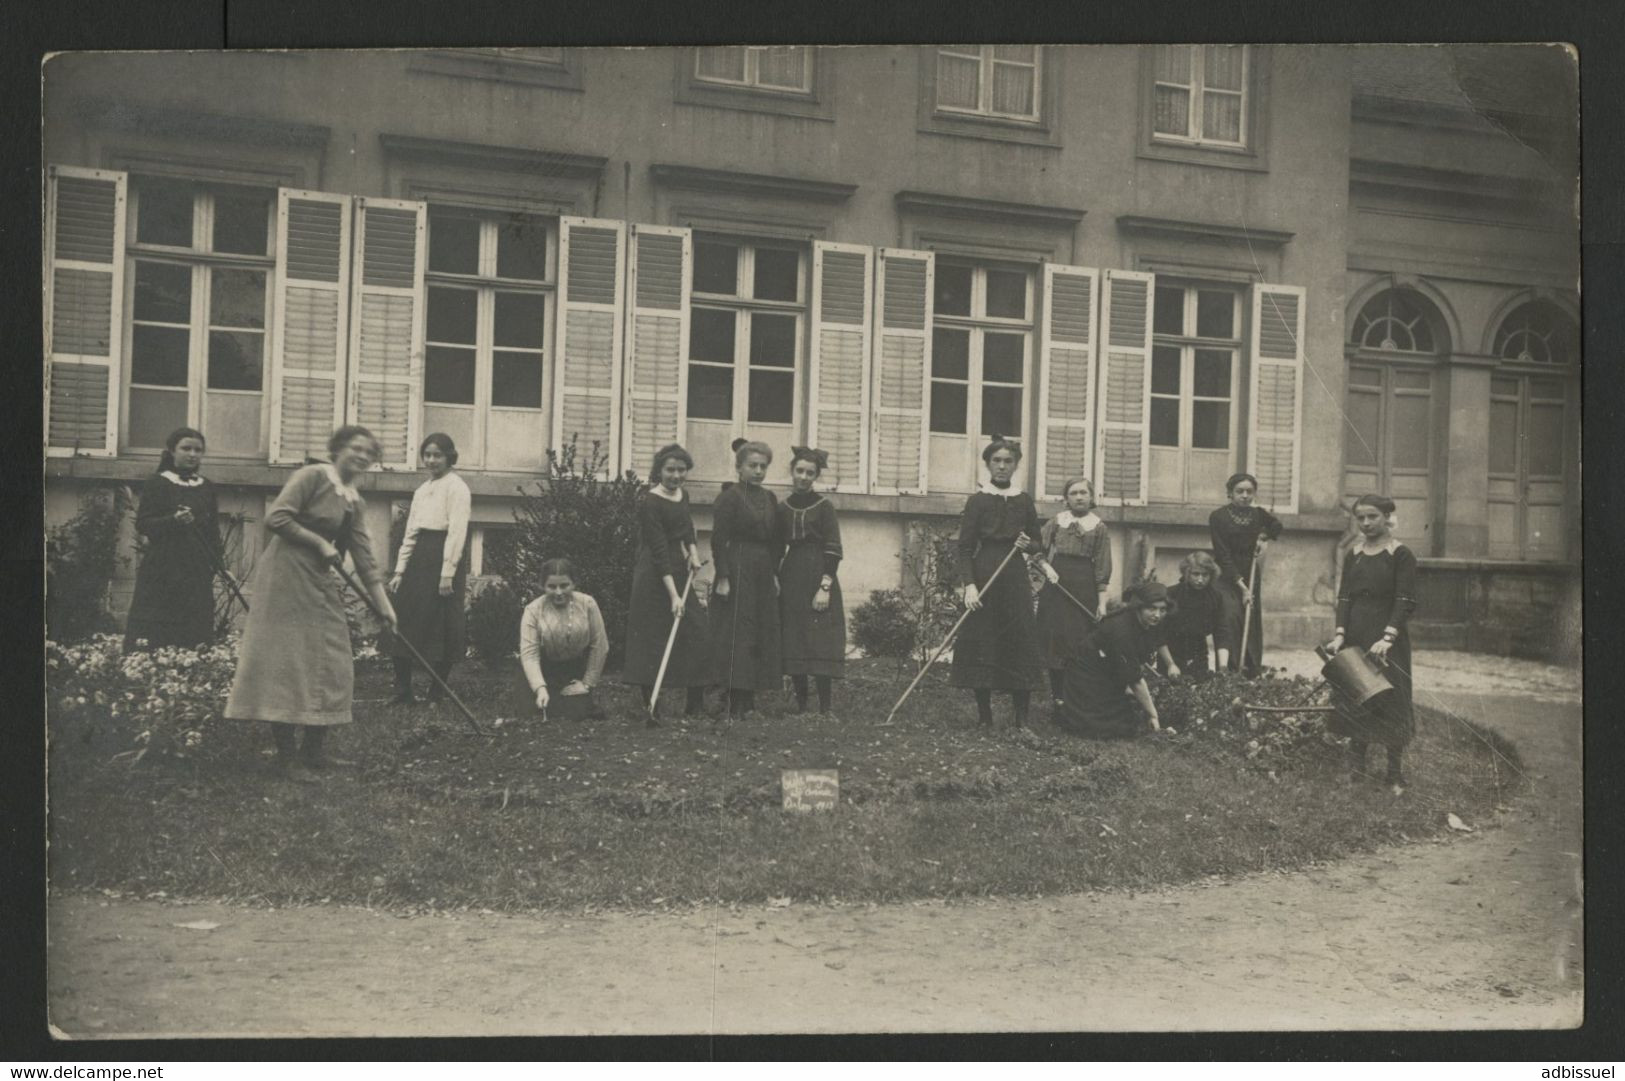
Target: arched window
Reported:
[(1538, 332), (1395, 321)]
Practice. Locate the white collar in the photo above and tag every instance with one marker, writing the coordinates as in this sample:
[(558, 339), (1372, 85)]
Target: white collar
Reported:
[(1065, 519), (1390, 546), (988, 488), (346, 490), (175, 478), (660, 490)]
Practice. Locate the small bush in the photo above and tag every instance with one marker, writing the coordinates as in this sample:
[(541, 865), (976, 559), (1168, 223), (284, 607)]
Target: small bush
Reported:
[(884, 625), (1213, 708), (493, 622), (168, 700), (81, 557)]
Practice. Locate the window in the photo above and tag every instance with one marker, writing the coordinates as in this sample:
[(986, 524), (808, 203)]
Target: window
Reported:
[(780, 68), (490, 283), (1195, 365), (745, 333), (981, 345), (1395, 321), (989, 80), (1538, 333), (549, 66), (1199, 94), (199, 263)]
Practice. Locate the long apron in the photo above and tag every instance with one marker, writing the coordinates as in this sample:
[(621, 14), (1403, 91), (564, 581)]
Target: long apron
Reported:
[(812, 643), (436, 625), (1387, 719), (1063, 630), (997, 647)]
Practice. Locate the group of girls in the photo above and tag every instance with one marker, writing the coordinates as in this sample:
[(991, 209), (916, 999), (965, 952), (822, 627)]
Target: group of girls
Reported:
[(775, 605)]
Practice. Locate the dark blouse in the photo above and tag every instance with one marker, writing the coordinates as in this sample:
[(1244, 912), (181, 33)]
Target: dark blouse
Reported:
[(1233, 541), (993, 520), (1125, 646), (155, 515), (744, 515), (663, 525), (1195, 612), (1387, 578), (809, 518)]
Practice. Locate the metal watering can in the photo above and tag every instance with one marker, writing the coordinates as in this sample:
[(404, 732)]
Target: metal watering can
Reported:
[(1353, 674)]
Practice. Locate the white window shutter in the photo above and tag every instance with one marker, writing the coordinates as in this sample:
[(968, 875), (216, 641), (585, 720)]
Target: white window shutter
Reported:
[(587, 380), (838, 420), (1275, 401), (1066, 391), (386, 333), (1124, 419), (657, 321), (84, 309), (310, 322), (902, 370)]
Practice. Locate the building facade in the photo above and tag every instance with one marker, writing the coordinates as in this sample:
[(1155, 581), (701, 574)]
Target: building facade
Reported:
[(1155, 265)]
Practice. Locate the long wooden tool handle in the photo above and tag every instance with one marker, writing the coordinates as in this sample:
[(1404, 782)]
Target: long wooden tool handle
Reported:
[(1084, 608), (671, 640), (1247, 613), (218, 566)]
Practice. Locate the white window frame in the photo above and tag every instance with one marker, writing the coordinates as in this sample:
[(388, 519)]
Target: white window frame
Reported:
[(201, 260), (753, 70), (745, 306), (979, 324), (984, 82), (1195, 90), (1188, 343)]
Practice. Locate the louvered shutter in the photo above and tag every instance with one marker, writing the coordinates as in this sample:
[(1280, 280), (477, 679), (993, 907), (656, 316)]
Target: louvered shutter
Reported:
[(902, 370), (1123, 422), (1275, 402), (839, 364), (656, 341), (84, 309), (1066, 393), (586, 390), (386, 333), (310, 322)]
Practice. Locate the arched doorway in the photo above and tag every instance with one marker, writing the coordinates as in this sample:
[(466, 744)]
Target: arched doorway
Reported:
[(1533, 403)]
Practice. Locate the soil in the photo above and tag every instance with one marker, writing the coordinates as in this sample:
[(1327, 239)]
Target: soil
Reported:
[(1482, 930)]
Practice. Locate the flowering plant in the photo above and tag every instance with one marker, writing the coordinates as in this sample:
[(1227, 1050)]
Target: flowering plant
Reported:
[(1215, 708)]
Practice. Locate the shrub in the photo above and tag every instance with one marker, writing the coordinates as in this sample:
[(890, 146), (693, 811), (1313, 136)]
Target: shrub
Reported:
[(493, 622), (81, 557), (1212, 709), (884, 625), (578, 515)]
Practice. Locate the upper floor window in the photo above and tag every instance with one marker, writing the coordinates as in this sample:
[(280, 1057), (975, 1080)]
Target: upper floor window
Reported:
[(989, 80), (1200, 94), (746, 330), (782, 68), (1395, 321), (1540, 333)]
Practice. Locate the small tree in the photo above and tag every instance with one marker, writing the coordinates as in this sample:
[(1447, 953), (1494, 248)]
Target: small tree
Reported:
[(81, 557), (578, 515)]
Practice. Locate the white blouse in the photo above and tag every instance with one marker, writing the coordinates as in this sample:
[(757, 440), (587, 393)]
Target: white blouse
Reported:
[(439, 503)]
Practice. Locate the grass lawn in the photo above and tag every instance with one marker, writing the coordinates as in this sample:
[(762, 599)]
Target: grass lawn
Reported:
[(574, 815)]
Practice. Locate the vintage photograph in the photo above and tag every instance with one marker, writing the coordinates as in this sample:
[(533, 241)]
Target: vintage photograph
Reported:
[(813, 539)]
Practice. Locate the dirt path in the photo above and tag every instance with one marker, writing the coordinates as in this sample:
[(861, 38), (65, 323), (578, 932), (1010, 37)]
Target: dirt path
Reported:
[(1482, 931)]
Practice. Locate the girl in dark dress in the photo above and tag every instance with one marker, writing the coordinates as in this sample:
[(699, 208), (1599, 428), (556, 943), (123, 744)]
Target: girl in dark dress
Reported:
[(1078, 558), (431, 571), (746, 546), (812, 619), (1105, 695), (174, 588), (1240, 533), (997, 647), (1193, 623), (1374, 604), (668, 554)]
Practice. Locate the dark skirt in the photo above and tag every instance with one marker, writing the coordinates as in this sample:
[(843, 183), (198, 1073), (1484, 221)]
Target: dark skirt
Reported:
[(1190, 652), (1228, 634), (1388, 718), (997, 647), (436, 625), (1094, 705), (560, 707), (745, 625), (1063, 630), (173, 603), (812, 643), (648, 627)]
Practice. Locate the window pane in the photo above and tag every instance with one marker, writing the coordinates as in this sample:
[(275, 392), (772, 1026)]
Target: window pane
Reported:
[(772, 397), (950, 353), (948, 408), (1215, 314), (1360, 435), (237, 298), (240, 223), (711, 335), (1210, 425), (710, 392), (1211, 378), (778, 274), (1408, 432), (957, 79), (163, 293), (1504, 386), (236, 360), (953, 289), (1002, 359), (1171, 111), (454, 244), (158, 355), (772, 340), (716, 268), (1549, 389), (1165, 369), (516, 379), (1174, 63), (1503, 437), (1020, 53), (1221, 68), (722, 62), (1365, 377), (165, 213), (452, 315), (1007, 294), (1001, 411), (1546, 440), (782, 66), (448, 375), (1169, 317), (1013, 90), (520, 320), (1165, 422), (1404, 380), (1221, 117), (154, 414), (522, 248)]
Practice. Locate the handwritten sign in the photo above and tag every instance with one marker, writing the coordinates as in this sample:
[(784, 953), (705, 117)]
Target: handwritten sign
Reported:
[(810, 789)]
